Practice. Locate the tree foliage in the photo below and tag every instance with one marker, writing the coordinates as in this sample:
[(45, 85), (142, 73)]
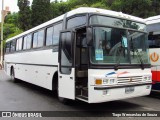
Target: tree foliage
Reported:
[(41, 12), (11, 27), (24, 18)]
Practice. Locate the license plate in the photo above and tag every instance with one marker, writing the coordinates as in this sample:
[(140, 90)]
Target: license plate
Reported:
[(129, 90)]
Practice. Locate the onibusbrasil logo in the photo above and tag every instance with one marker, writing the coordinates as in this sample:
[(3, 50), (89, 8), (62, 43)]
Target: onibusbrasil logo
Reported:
[(154, 57)]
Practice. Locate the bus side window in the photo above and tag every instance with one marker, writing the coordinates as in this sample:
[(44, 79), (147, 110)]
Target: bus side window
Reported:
[(25, 43), (19, 44), (76, 21), (56, 30), (13, 46), (35, 39), (7, 47), (40, 38), (29, 41), (49, 36)]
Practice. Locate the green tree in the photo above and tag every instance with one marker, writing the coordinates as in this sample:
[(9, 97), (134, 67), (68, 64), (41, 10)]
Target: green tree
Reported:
[(140, 8), (59, 8), (11, 27), (12, 18), (41, 12), (24, 19)]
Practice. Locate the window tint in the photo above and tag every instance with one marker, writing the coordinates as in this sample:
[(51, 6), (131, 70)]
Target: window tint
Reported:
[(19, 44), (121, 23), (35, 39), (38, 39), (49, 36), (13, 46), (27, 42), (154, 41), (7, 47), (66, 53), (57, 29), (76, 21)]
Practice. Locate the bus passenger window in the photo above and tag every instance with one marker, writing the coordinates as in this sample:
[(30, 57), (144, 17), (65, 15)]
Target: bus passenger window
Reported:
[(8, 47), (29, 39), (49, 38), (35, 38), (13, 46), (19, 44), (56, 31), (27, 42), (40, 38)]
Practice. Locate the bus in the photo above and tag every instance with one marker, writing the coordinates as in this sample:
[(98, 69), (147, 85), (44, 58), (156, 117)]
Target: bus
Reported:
[(153, 28), (88, 54)]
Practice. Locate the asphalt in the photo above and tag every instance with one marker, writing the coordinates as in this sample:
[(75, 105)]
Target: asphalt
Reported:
[(23, 96)]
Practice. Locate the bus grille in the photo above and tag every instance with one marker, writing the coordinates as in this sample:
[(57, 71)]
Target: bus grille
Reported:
[(131, 79)]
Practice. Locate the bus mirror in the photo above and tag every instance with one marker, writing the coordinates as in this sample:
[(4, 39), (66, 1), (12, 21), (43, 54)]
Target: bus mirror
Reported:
[(89, 36)]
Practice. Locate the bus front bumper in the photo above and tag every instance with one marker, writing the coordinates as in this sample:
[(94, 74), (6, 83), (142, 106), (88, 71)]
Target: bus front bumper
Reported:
[(99, 94)]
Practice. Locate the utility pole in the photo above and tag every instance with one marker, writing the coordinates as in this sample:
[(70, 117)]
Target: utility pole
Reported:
[(3, 14), (2, 20)]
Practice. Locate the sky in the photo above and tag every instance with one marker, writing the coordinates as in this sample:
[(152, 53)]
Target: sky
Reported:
[(13, 4)]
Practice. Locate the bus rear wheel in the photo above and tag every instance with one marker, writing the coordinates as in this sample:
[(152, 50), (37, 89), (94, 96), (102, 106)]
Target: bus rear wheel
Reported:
[(13, 75)]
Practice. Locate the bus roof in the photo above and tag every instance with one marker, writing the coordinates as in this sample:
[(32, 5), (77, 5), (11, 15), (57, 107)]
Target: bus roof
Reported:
[(153, 20), (153, 24), (82, 10)]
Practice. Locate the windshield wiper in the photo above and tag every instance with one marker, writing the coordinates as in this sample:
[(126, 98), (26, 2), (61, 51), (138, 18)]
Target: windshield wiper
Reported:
[(138, 54), (118, 62)]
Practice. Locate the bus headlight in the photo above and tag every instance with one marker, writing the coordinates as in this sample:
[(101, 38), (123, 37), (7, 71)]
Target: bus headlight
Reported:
[(147, 78), (109, 81), (105, 81)]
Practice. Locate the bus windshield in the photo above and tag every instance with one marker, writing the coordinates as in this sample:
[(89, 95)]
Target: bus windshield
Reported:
[(116, 22), (119, 46)]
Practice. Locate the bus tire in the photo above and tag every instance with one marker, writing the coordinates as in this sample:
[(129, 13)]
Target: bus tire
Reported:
[(12, 74)]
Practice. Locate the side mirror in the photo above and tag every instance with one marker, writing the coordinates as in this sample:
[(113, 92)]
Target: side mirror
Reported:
[(89, 36)]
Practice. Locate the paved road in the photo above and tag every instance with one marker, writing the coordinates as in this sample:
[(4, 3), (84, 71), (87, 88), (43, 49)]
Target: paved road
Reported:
[(23, 96)]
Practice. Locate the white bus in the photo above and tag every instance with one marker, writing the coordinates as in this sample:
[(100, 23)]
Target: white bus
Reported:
[(88, 54), (153, 28)]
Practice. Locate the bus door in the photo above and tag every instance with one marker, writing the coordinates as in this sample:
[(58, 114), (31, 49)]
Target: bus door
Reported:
[(66, 70)]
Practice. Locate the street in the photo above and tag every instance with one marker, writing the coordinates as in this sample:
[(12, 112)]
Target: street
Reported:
[(23, 96)]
